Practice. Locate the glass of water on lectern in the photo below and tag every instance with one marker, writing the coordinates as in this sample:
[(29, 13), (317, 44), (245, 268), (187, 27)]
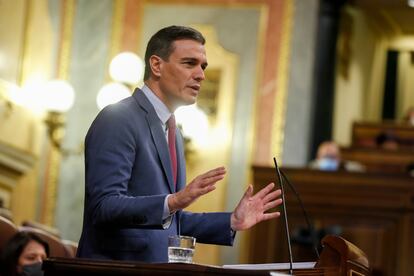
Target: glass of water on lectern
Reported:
[(181, 249)]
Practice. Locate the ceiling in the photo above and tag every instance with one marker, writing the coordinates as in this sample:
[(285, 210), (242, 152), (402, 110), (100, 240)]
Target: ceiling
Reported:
[(396, 13)]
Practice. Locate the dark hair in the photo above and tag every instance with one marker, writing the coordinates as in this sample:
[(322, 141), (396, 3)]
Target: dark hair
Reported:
[(13, 250), (161, 43)]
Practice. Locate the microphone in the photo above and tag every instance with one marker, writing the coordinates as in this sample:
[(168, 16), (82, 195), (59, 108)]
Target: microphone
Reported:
[(305, 214), (285, 216)]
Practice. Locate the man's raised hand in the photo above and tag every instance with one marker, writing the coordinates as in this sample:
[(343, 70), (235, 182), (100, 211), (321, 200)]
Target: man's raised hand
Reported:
[(199, 186), (252, 208)]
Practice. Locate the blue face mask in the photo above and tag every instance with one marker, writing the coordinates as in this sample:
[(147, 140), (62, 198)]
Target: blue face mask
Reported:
[(32, 270), (328, 164)]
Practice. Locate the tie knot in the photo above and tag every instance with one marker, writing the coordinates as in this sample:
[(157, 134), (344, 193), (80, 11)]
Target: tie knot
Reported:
[(171, 122)]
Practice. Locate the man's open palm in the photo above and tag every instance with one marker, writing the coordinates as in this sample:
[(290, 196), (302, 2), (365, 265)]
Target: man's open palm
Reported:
[(252, 208)]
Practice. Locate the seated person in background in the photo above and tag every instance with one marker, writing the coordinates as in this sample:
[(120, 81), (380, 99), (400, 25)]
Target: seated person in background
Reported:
[(23, 255), (387, 141), (410, 169), (409, 116), (328, 158)]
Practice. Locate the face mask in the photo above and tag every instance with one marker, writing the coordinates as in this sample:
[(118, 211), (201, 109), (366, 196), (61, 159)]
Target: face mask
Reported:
[(328, 164), (412, 120), (32, 270)]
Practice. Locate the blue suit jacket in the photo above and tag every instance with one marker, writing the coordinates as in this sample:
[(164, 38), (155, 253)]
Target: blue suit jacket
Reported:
[(128, 175)]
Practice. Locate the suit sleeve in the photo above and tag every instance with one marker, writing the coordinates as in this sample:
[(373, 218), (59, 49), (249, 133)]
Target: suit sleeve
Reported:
[(211, 228), (110, 149)]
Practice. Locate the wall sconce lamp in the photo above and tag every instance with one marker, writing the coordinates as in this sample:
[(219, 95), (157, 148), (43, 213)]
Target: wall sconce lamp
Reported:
[(8, 106), (194, 125), (127, 68), (126, 71), (111, 93), (55, 97), (6, 103), (58, 98)]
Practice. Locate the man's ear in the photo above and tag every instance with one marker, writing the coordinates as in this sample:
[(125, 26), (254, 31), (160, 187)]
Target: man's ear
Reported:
[(156, 65)]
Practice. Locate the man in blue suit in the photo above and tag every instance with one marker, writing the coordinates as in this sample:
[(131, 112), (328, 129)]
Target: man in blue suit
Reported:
[(135, 172)]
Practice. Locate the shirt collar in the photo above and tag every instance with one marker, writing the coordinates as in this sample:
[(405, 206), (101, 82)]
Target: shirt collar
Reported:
[(160, 108)]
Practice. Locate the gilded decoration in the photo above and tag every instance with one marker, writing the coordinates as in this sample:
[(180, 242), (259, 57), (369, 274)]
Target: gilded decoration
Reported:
[(279, 115), (47, 212)]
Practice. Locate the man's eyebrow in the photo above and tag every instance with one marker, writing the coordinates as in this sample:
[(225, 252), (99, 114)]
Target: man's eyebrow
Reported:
[(191, 59), (188, 59)]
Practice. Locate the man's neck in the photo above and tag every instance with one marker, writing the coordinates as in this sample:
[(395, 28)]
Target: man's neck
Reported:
[(153, 85)]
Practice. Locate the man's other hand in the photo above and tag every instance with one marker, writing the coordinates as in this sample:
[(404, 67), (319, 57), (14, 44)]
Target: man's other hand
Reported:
[(199, 186), (252, 208)]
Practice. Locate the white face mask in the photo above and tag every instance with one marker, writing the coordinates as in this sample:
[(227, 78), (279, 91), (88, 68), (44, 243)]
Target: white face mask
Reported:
[(328, 164), (412, 120)]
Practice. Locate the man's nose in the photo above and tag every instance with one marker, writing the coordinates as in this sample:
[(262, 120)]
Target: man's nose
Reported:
[(199, 74)]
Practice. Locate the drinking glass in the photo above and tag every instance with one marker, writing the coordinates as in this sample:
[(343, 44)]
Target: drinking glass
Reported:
[(181, 249)]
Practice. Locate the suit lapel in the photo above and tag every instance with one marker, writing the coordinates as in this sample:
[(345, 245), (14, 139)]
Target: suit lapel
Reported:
[(158, 136)]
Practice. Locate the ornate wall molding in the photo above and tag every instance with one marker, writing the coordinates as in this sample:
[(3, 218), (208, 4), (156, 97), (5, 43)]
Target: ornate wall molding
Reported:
[(48, 205), (14, 163), (280, 104)]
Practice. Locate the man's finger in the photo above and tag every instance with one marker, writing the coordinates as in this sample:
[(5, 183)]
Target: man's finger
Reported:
[(214, 172), (212, 177), (208, 189), (271, 196), (273, 215), (210, 181), (249, 191), (272, 204), (265, 190)]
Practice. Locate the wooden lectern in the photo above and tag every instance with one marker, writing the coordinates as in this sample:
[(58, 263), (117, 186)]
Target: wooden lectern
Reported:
[(338, 258), (371, 210)]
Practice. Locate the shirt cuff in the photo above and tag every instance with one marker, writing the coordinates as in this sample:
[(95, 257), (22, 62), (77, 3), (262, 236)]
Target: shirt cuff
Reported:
[(166, 215), (232, 233), (166, 210)]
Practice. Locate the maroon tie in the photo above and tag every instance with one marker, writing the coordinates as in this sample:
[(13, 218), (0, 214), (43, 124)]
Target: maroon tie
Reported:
[(171, 146)]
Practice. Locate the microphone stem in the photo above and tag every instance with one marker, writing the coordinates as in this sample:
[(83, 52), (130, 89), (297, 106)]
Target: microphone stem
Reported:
[(305, 214), (285, 218)]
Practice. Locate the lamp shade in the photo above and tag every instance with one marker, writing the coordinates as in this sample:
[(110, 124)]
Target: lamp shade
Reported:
[(126, 67), (194, 123), (111, 93), (14, 91), (58, 96)]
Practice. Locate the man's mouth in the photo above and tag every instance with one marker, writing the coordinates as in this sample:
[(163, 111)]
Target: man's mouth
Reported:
[(195, 87)]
